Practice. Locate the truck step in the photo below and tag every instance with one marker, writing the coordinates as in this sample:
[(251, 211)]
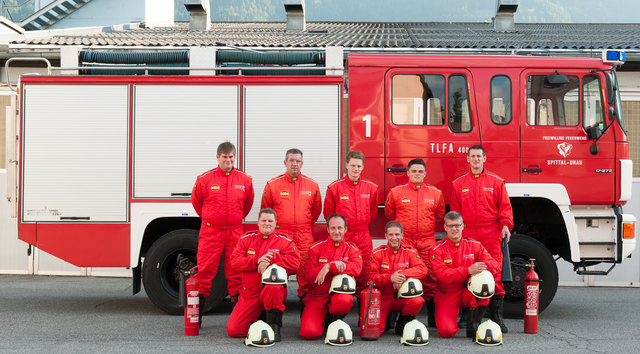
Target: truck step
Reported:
[(584, 271)]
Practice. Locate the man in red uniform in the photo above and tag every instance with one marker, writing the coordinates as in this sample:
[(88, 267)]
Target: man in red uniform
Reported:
[(418, 205), (482, 199), (222, 197), (390, 266), (297, 201), (454, 260), (253, 254), (326, 259), (357, 200)]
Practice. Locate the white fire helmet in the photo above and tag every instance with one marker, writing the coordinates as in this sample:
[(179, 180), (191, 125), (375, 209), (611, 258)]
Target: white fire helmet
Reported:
[(415, 333), (489, 333), (411, 287), (482, 285), (260, 335), (343, 284), (274, 274), (339, 334)]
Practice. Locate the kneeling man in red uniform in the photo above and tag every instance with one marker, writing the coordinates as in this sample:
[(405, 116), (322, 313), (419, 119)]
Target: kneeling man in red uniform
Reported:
[(326, 259), (390, 266), (254, 252), (453, 261)]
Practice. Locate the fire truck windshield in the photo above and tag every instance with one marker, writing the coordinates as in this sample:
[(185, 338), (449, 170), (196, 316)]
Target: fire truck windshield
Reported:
[(618, 102)]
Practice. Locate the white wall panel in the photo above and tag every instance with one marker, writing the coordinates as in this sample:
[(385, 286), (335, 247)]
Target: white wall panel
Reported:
[(75, 152), (13, 252), (177, 129), (281, 117)]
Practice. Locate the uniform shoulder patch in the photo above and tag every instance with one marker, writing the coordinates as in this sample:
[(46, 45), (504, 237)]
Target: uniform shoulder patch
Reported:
[(284, 237), (454, 181), (318, 243), (249, 235), (495, 176), (367, 181)]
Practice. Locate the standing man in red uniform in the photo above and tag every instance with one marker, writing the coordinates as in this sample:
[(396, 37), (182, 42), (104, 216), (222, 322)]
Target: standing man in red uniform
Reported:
[(222, 197), (326, 259), (418, 206), (253, 254), (453, 261), (481, 197), (357, 200), (297, 201), (390, 266)]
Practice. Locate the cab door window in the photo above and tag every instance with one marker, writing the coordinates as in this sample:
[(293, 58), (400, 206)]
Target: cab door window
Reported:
[(418, 100), (501, 99), (553, 102), (592, 107), (459, 116), (422, 100)]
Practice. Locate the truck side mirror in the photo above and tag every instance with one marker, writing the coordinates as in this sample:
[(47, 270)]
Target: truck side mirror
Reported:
[(594, 132), (612, 113)]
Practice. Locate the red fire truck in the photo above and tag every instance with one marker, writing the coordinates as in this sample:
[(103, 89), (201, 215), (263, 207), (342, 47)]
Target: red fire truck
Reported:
[(106, 162)]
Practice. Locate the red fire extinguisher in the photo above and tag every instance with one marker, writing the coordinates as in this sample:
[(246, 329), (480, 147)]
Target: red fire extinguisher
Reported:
[(531, 291), (192, 307), (370, 321)]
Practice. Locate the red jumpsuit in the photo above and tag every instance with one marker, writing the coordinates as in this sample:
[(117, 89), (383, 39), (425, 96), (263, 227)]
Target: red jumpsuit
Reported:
[(298, 203), (358, 203), (418, 207), (222, 199), (386, 261), (483, 201), (450, 262), (254, 297), (318, 300)]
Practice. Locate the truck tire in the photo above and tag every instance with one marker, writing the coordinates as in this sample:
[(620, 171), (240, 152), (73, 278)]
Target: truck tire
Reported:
[(160, 274), (522, 248)]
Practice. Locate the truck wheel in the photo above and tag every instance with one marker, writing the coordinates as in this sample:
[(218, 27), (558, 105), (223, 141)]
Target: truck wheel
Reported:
[(522, 248), (160, 274)]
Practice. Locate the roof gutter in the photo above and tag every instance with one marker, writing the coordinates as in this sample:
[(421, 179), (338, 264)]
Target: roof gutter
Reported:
[(53, 51)]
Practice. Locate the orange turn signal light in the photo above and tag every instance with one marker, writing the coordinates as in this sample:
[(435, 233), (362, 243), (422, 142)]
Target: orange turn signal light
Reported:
[(629, 231)]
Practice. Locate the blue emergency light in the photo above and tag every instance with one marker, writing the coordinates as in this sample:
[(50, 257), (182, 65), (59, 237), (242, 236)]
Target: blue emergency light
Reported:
[(614, 56)]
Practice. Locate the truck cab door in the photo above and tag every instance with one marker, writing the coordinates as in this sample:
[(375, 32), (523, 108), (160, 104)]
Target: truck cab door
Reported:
[(559, 107), (430, 114)]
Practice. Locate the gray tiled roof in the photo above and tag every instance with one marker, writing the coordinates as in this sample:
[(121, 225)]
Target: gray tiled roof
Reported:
[(368, 35)]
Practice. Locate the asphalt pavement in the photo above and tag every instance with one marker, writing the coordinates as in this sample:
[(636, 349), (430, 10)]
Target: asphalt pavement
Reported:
[(56, 314)]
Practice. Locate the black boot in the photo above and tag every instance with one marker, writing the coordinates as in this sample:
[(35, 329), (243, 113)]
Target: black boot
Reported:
[(301, 305), (473, 320), (329, 318), (402, 321), (200, 310), (274, 319), (390, 323), (462, 320), (495, 312), (431, 313)]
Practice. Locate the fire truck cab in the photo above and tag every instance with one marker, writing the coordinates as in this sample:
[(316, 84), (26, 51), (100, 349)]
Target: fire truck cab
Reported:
[(553, 128)]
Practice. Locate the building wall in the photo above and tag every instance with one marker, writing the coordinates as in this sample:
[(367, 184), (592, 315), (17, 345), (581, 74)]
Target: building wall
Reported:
[(630, 93), (104, 13), (631, 111)]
